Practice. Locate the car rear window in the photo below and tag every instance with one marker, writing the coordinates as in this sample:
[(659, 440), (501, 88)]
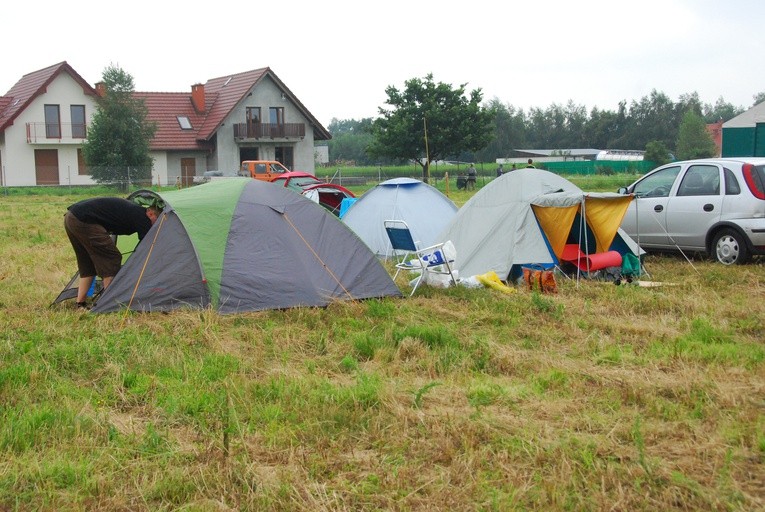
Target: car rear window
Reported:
[(302, 182), (732, 188)]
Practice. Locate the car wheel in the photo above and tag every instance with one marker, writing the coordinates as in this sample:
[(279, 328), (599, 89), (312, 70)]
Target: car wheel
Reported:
[(729, 248)]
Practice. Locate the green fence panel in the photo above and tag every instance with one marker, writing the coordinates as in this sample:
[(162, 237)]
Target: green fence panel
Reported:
[(585, 167)]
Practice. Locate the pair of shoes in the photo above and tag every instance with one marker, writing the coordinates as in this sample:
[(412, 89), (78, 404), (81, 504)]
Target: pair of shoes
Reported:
[(83, 306)]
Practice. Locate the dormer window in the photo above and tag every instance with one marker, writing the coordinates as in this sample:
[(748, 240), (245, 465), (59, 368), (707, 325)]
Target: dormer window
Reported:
[(184, 122)]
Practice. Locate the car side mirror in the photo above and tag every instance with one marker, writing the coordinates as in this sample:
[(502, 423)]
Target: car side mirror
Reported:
[(623, 191)]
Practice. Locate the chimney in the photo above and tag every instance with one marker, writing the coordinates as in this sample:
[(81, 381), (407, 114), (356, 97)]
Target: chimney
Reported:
[(101, 89), (198, 97)]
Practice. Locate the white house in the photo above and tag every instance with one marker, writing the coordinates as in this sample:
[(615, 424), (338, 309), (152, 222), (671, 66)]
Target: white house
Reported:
[(244, 116)]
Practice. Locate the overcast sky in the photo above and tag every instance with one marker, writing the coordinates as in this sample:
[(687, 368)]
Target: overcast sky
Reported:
[(338, 57)]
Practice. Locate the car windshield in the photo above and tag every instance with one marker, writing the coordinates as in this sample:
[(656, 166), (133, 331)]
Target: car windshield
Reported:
[(278, 168)]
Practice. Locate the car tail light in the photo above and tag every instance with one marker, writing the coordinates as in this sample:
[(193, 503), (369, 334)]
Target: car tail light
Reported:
[(754, 180)]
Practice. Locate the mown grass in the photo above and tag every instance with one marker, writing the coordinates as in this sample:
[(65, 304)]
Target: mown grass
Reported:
[(601, 397)]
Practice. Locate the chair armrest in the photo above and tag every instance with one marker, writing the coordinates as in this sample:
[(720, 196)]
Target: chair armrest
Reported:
[(434, 255)]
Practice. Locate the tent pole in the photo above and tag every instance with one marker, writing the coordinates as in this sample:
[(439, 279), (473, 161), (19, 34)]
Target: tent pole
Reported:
[(145, 263), (583, 224), (389, 250), (637, 229)]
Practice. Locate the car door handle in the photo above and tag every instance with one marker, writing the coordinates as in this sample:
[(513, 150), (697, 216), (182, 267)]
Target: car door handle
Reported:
[(658, 208), (709, 207)]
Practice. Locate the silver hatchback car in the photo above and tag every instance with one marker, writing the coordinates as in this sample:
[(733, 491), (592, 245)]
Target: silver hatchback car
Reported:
[(711, 205)]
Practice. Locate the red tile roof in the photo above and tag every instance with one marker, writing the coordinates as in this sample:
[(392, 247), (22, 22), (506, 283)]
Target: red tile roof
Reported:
[(221, 94), (30, 87), (164, 108)]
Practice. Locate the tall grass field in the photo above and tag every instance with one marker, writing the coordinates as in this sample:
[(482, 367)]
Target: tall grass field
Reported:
[(599, 397)]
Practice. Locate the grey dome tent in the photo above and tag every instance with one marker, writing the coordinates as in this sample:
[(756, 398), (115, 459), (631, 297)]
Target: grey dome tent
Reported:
[(526, 217), (241, 245), (424, 208)]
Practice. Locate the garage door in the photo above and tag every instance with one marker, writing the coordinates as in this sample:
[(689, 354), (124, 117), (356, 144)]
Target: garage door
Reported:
[(46, 166)]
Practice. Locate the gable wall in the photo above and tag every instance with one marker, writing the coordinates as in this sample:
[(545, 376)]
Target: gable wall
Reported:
[(19, 156), (264, 95)]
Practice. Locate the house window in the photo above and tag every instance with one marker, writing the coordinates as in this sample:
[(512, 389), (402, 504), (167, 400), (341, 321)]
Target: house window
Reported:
[(184, 122), (78, 121), (276, 120), (253, 122), (253, 115), (276, 115), (82, 169), (52, 122)]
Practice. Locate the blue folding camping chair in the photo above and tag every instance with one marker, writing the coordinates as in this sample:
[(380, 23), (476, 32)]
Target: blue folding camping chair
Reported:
[(428, 260)]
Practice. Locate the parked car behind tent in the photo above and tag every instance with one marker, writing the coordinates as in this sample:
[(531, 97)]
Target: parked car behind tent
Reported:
[(329, 195), (527, 217), (712, 205), (425, 210), (244, 245)]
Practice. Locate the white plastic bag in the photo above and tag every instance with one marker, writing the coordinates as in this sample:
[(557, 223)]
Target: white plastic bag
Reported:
[(438, 280), (470, 282)]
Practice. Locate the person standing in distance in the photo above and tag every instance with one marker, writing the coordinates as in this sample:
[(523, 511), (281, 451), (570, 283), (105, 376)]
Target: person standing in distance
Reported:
[(471, 177), (530, 164), (89, 225)]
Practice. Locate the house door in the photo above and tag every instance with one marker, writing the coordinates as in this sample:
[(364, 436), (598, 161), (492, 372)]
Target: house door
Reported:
[(46, 167), (188, 171), (285, 155), (248, 154)]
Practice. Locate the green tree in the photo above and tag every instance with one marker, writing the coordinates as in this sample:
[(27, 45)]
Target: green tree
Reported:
[(350, 139), (117, 148), (430, 121), (721, 111), (694, 140), (656, 151), (509, 128), (758, 98), (605, 128), (576, 120), (654, 117)]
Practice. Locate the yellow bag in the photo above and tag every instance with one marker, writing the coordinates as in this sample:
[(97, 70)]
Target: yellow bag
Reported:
[(492, 280)]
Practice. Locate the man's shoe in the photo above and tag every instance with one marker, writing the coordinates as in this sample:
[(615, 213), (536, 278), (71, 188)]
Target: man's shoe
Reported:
[(83, 306)]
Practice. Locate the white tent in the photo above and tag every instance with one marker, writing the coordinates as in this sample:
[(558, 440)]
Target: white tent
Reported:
[(426, 210), (526, 217)]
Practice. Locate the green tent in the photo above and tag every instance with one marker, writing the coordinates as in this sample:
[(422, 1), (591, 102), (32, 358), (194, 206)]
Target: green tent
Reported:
[(241, 245)]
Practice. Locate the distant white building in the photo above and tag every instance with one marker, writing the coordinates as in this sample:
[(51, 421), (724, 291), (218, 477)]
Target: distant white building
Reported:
[(619, 154), (321, 154), (568, 155)]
